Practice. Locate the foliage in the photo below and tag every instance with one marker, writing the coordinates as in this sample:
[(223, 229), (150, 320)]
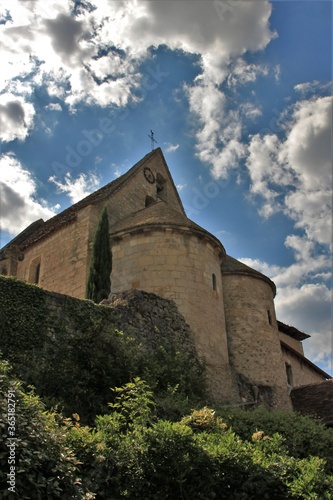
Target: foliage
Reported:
[(203, 419), (73, 353), (44, 466), (303, 436), (99, 282), (200, 457), (131, 454), (133, 403), (24, 328)]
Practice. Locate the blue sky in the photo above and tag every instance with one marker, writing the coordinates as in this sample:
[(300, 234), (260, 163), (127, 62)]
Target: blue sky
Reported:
[(238, 94)]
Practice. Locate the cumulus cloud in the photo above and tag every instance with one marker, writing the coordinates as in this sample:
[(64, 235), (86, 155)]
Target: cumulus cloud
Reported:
[(93, 52), (241, 72), (54, 106), (309, 88), (19, 203), (77, 188), (16, 117), (219, 135), (294, 175), (171, 148), (309, 308)]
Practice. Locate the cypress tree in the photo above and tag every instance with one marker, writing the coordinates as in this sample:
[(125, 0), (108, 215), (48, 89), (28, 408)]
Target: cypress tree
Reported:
[(99, 281)]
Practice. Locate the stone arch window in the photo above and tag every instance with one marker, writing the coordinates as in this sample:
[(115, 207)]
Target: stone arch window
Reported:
[(34, 272), (269, 315), (161, 187), (149, 201), (4, 270), (214, 281)]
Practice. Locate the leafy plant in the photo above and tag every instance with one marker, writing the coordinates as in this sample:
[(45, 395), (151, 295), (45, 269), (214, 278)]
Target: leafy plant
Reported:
[(303, 436), (44, 466)]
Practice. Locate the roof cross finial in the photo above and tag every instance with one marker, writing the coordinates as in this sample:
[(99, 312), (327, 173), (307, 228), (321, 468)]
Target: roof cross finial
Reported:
[(152, 140)]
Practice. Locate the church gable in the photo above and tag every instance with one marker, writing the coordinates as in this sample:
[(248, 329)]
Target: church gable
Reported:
[(147, 183), (60, 248)]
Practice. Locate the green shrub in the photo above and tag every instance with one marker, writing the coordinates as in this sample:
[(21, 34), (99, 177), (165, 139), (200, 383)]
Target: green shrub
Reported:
[(130, 454), (44, 466), (303, 436)]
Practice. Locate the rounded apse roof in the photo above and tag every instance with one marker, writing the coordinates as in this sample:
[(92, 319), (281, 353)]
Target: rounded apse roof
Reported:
[(230, 265), (161, 216)]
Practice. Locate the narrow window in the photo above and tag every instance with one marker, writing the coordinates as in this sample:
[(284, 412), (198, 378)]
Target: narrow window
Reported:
[(289, 372), (161, 188), (34, 271), (37, 271), (269, 316), (4, 270), (214, 281)]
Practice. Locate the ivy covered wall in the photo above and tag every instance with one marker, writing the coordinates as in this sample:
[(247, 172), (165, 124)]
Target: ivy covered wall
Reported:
[(74, 351)]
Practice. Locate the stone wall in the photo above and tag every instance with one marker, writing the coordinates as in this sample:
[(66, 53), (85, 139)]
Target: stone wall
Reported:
[(132, 196), (148, 317), (302, 373), (180, 266), (74, 351), (254, 345), (63, 258), (295, 344)]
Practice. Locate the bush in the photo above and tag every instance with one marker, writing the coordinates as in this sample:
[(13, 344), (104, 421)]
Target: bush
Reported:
[(131, 454), (44, 466), (303, 436)]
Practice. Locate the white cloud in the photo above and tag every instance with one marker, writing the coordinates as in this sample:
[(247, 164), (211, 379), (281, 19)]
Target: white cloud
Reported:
[(307, 148), (249, 110), (77, 188), (54, 106), (309, 309), (312, 87), (19, 203), (219, 137), (180, 187), (242, 73), (94, 55), (16, 117), (171, 148), (294, 175)]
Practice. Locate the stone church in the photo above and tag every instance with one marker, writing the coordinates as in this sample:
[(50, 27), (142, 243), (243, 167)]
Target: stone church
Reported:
[(249, 354)]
